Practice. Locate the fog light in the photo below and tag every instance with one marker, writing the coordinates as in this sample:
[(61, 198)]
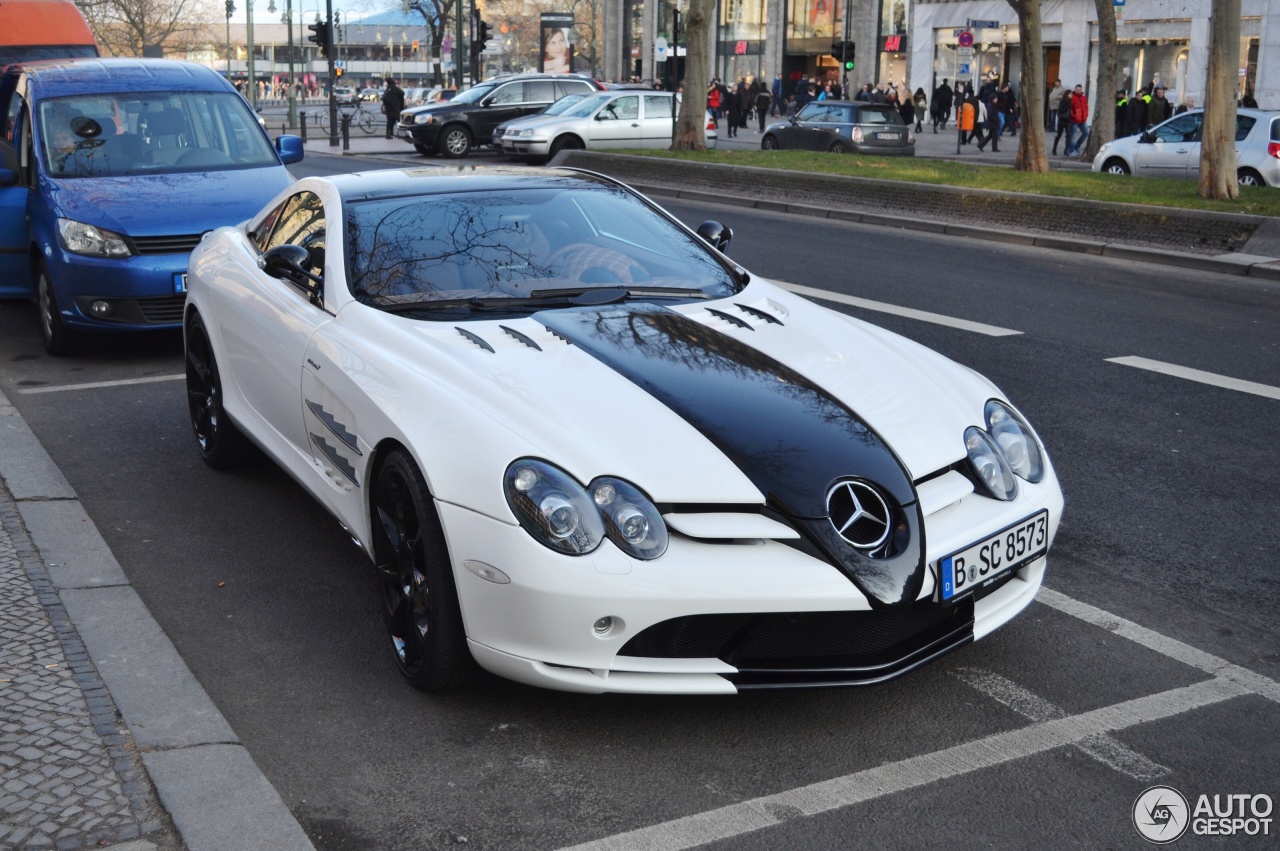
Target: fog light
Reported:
[(606, 625), (101, 309)]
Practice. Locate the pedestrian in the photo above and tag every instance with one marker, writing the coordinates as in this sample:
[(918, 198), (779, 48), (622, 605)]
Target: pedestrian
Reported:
[(764, 102), (1079, 130), (1063, 117), (713, 103), (1159, 109), (1008, 110), (1122, 115), (941, 111), (777, 106), (921, 103), (742, 93), (907, 110), (1138, 111), (864, 94), (733, 113), (1189, 103), (392, 105), (1248, 101), (989, 113), (1054, 99)]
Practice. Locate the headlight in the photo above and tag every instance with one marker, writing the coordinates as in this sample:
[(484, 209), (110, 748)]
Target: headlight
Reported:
[(79, 238), (992, 470), (565, 516), (631, 520), (1016, 441), (425, 118)]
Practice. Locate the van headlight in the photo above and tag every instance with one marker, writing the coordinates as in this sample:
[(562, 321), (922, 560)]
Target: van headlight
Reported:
[(90, 240)]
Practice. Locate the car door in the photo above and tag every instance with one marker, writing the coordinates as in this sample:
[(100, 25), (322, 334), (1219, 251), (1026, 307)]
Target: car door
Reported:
[(1244, 126), (616, 124), (657, 120), (1173, 145), (16, 158), (804, 133), (506, 103), (265, 324)]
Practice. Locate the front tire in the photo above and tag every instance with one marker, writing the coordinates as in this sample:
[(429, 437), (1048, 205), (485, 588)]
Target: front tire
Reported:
[(1115, 167), (566, 143), (769, 143), (222, 445), (58, 339), (1249, 177), (419, 598), (455, 142)]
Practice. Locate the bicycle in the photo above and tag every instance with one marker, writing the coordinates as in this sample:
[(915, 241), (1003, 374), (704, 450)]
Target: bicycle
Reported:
[(361, 118)]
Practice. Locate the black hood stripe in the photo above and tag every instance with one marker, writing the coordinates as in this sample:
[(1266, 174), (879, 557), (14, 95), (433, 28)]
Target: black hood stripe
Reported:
[(789, 436)]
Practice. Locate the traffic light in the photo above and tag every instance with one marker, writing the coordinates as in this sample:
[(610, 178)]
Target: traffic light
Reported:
[(844, 51), (484, 32), (320, 36), (231, 9), (338, 72)]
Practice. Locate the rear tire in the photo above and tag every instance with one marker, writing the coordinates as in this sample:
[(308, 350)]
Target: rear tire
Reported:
[(1249, 177), (769, 143), (58, 339), (838, 147)]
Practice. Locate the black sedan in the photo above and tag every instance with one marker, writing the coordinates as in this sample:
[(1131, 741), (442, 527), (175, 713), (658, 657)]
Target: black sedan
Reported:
[(842, 127)]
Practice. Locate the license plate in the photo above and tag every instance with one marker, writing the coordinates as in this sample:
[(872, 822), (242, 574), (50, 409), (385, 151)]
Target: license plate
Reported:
[(402, 133), (180, 282), (980, 564), (886, 135)]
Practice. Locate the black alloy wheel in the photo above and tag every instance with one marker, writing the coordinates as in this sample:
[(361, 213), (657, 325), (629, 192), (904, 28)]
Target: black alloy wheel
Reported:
[(58, 338), (419, 598), (769, 143), (222, 445), (455, 141), (839, 147)]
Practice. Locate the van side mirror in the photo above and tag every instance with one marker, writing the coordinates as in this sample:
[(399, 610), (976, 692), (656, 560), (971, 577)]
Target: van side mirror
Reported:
[(290, 149)]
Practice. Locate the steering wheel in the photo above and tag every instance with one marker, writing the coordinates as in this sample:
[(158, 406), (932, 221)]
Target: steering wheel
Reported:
[(594, 264)]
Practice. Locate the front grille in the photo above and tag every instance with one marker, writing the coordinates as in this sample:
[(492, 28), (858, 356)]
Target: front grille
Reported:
[(176, 244), (812, 648), (165, 310)]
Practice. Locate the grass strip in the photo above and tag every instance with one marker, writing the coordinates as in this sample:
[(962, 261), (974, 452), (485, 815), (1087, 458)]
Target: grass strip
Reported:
[(1254, 200)]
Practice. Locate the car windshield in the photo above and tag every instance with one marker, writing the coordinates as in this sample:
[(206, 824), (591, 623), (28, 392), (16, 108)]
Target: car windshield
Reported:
[(588, 105), (111, 135), (563, 104), (474, 94), (494, 246)]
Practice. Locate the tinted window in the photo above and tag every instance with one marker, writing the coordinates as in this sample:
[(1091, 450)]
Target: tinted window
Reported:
[(540, 91), (876, 115), (150, 132), (1244, 123), (302, 223), (1275, 129), (509, 94), (573, 87)]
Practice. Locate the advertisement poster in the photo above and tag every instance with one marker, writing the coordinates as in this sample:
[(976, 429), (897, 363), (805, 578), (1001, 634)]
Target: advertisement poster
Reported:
[(557, 49)]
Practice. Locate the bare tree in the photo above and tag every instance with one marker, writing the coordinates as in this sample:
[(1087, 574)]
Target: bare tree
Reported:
[(436, 15), (1031, 154), (125, 27), (1218, 149), (1104, 118), (691, 128)]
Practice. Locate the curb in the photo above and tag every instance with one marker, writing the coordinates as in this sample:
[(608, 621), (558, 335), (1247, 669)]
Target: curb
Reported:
[(205, 779)]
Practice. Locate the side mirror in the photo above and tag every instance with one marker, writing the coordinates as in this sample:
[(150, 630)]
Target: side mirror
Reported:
[(715, 234), (290, 261), (487, 102), (8, 177), (1146, 138), (290, 149), (793, 119)]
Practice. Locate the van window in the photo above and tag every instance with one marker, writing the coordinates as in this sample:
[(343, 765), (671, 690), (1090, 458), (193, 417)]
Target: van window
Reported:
[(150, 132)]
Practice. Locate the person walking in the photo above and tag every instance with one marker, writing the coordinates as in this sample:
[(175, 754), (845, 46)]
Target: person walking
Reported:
[(733, 113), (989, 112), (1054, 99), (921, 103), (763, 103), (942, 98), (1079, 129), (392, 105), (1063, 117), (777, 105)]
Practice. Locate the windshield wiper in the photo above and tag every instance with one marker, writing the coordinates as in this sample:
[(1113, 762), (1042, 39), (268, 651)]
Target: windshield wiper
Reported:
[(612, 295), (538, 299)]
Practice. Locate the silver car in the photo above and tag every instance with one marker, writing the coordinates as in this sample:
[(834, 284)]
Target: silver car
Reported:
[(612, 119), (1172, 149), (558, 108)]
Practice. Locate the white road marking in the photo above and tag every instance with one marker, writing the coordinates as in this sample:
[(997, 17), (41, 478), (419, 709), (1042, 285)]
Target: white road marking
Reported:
[(1104, 748), (93, 385), (1201, 376), (757, 813), (1162, 644), (896, 310)]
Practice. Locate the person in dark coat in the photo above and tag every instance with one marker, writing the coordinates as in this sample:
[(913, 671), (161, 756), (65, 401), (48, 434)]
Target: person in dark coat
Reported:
[(1122, 116), (733, 113), (1064, 120), (907, 110), (763, 101), (1159, 109), (992, 123), (392, 105), (941, 108)]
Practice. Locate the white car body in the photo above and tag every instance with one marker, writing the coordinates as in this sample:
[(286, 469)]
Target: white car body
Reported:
[(628, 118), (467, 398), (1172, 149)]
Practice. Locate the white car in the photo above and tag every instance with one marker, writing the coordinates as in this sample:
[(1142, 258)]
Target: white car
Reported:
[(588, 451), (611, 119), (344, 95), (1172, 149)]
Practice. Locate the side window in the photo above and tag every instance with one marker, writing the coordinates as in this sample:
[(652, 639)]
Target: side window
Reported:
[(11, 145), (509, 94), (657, 106), (11, 117), (263, 232), (1244, 123), (1183, 129), (622, 109), (539, 91), (572, 87), (302, 223), (811, 112)]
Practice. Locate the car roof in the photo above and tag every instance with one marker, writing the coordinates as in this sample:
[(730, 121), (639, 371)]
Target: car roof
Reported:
[(394, 183), (58, 77)]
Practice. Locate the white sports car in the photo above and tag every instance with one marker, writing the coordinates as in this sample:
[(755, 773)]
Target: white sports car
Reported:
[(589, 452)]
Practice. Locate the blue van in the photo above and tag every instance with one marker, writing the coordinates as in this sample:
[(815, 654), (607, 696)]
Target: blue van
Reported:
[(111, 171)]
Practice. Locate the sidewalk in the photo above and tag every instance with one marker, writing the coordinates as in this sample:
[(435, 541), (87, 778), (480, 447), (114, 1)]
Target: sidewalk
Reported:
[(106, 738)]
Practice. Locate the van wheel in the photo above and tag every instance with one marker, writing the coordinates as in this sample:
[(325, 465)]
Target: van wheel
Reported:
[(58, 339)]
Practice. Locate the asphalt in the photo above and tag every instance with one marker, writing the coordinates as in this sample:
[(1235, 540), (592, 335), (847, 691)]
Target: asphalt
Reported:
[(107, 740)]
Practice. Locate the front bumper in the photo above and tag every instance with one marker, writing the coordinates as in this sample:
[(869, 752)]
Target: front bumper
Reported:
[(716, 617), (147, 292)]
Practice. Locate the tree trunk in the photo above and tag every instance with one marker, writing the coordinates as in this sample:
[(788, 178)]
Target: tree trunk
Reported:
[(691, 126), (1031, 155), (1218, 148), (1104, 119)]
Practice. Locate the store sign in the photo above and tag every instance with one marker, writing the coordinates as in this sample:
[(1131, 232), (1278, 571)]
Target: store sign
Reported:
[(983, 25), (739, 48), (895, 43)]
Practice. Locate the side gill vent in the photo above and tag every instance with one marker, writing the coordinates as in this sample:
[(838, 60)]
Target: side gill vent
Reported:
[(559, 336), (475, 338), (731, 319), (758, 313), (524, 338)]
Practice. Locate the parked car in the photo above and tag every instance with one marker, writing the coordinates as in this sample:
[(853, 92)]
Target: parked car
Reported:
[(454, 127), (369, 95), (556, 108), (111, 172), (414, 95), (587, 450), (31, 30), (1172, 149), (610, 119), (344, 95), (842, 127)]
